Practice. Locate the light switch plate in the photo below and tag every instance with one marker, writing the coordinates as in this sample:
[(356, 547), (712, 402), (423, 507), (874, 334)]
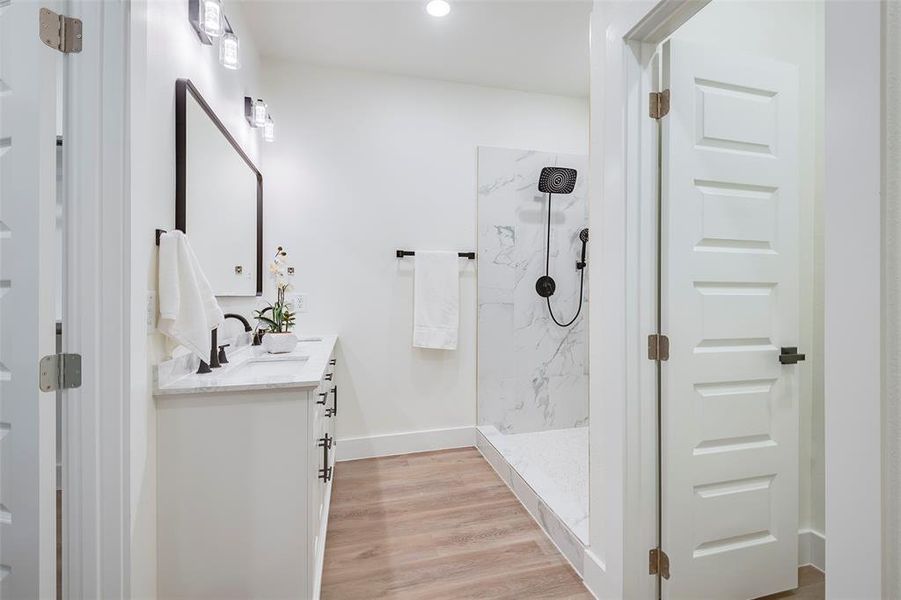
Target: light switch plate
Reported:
[(298, 302)]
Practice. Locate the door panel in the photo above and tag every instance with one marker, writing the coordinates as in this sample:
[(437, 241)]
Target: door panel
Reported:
[(729, 298)]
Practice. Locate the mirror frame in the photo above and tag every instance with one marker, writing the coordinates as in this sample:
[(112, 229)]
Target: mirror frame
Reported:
[(183, 87)]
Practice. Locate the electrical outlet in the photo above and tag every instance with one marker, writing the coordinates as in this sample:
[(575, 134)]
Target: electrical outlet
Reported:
[(152, 311), (298, 302)]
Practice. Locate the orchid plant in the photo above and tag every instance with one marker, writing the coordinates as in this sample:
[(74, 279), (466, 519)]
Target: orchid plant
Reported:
[(276, 318)]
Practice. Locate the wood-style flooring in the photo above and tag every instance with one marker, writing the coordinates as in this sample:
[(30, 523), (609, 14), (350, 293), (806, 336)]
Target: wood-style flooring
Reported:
[(436, 525), (442, 525), (811, 586)]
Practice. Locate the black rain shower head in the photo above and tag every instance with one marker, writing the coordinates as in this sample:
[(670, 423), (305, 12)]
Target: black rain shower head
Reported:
[(557, 180)]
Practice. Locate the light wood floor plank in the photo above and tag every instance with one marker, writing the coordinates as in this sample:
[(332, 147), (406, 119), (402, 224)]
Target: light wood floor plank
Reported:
[(443, 526), (811, 586), (436, 525)]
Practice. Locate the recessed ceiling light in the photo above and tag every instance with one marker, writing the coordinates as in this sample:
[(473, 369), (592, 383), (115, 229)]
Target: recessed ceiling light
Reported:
[(438, 8)]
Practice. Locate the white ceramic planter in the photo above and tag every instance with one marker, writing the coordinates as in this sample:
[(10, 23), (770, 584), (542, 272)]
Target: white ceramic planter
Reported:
[(279, 343)]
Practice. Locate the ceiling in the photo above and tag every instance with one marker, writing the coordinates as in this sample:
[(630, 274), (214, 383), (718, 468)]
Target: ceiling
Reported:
[(536, 46)]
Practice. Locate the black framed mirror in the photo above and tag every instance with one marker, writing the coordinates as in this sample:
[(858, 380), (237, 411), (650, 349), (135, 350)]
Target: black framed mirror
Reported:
[(218, 197)]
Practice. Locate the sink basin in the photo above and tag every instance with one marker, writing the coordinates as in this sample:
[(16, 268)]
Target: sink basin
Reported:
[(269, 367)]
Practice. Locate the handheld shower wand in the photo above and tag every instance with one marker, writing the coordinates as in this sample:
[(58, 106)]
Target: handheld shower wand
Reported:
[(559, 180), (583, 237)]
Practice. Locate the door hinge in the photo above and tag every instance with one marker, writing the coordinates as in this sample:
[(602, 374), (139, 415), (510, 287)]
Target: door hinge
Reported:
[(659, 104), (60, 32), (60, 372), (658, 563), (658, 347)]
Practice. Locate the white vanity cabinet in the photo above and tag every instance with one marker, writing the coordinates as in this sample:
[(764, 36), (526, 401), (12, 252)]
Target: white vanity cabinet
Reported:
[(244, 482)]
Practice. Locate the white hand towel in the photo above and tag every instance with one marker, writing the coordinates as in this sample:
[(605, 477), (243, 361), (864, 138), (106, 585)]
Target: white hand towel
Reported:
[(436, 300), (188, 308)]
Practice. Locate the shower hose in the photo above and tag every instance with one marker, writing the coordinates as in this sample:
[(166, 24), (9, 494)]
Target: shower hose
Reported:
[(547, 268)]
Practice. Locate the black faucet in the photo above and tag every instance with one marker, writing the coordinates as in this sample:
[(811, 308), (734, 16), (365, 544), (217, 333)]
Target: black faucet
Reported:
[(217, 352), (206, 367), (245, 322), (258, 334), (223, 358)]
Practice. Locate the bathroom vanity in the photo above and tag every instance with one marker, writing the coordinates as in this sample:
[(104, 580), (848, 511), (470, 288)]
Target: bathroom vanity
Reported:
[(245, 460)]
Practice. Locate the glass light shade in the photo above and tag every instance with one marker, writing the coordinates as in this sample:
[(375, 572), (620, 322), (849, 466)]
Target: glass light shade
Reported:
[(228, 51), (438, 8), (211, 17), (260, 112), (269, 130)]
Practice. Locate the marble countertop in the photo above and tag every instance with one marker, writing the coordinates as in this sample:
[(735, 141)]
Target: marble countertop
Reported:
[(249, 368)]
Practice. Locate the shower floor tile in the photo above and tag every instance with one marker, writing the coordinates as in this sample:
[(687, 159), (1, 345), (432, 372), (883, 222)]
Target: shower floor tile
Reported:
[(555, 465)]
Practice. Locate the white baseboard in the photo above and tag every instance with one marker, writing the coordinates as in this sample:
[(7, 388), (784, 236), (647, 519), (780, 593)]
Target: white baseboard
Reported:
[(405, 443), (812, 549), (596, 579)]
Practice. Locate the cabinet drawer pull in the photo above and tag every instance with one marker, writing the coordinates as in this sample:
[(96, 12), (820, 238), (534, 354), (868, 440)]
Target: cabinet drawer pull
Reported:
[(325, 473), (335, 403)]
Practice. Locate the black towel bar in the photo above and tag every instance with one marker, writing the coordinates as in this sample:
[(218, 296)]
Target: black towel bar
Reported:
[(469, 255)]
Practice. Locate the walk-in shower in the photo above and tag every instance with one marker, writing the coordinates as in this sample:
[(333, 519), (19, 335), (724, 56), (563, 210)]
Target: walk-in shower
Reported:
[(533, 347)]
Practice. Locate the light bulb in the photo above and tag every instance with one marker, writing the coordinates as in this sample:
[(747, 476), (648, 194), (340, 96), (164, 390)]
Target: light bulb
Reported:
[(228, 51), (269, 130), (260, 112), (211, 19), (438, 8)]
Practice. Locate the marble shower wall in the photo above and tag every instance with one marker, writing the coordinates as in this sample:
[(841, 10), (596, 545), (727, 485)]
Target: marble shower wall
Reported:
[(533, 375)]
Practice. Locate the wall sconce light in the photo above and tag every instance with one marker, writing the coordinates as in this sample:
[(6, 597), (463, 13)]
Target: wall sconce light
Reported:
[(211, 17), (211, 23), (269, 130), (229, 46), (255, 111), (207, 19)]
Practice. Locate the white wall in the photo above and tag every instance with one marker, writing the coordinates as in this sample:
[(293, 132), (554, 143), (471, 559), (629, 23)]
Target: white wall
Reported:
[(791, 32), (852, 361), (891, 392), (164, 48), (367, 163)]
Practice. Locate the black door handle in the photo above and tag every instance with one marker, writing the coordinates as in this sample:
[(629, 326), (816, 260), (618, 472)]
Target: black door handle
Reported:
[(790, 356)]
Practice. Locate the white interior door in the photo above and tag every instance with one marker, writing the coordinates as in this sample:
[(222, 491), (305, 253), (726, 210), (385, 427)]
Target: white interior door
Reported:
[(729, 300), (27, 325)]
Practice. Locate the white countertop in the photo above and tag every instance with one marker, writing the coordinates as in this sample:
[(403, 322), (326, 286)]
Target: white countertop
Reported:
[(304, 367)]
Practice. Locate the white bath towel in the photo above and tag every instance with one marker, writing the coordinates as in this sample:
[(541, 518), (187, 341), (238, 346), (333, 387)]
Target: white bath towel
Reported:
[(436, 300), (188, 308)]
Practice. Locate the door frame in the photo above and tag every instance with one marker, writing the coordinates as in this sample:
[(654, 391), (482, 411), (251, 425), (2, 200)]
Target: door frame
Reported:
[(96, 506), (622, 197)]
